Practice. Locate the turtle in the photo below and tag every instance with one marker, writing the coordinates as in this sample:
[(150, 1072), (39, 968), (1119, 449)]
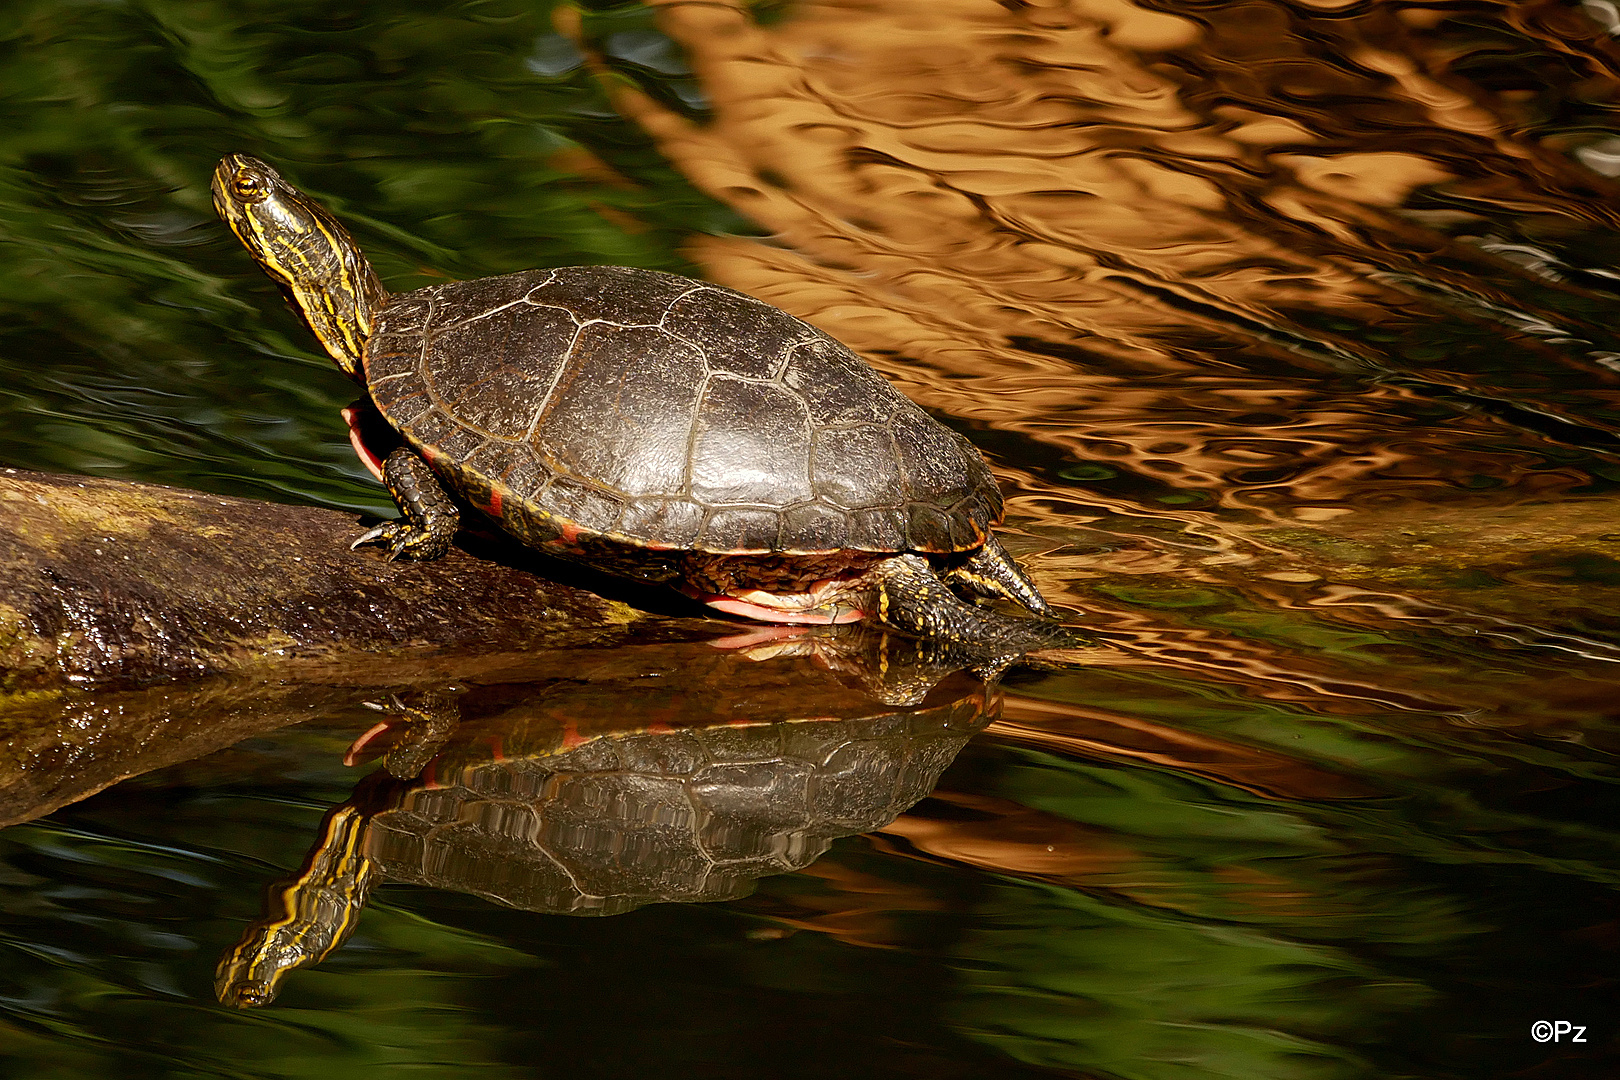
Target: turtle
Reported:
[(658, 427)]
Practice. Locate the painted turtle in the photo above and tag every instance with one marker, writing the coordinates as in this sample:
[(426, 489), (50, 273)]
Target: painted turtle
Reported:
[(653, 426)]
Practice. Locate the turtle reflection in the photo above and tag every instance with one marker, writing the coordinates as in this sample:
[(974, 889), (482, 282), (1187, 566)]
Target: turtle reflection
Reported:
[(595, 796)]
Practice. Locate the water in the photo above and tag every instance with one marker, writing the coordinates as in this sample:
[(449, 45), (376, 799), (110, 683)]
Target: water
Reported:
[(1288, 331)]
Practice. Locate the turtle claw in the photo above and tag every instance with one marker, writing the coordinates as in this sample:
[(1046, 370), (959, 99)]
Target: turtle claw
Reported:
[(380, 532), (404, 538), (430, 519)]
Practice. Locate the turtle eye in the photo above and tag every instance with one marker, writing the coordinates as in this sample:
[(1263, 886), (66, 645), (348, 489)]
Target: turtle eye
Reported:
[(249, 187)]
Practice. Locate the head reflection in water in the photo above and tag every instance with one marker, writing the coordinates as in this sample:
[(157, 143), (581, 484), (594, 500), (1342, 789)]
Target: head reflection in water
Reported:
[(595, 797)]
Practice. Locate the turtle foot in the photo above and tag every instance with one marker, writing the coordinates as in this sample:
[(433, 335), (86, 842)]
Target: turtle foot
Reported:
[(423, 730), (431, 519), (403, 538)]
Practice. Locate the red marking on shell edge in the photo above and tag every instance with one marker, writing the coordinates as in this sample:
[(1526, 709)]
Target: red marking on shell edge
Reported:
[(353, 754), (372, 463), (732, 606), (569, 534), (571, 736), (493, 508), (658, 727), (496, 748)]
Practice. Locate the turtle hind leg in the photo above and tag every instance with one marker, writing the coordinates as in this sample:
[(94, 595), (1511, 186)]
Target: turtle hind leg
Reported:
[(990, 572), (431, 519), (912, 598)]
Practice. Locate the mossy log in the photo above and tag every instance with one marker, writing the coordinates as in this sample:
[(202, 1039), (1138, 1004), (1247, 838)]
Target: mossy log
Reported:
[(112, 583), (143, 625)]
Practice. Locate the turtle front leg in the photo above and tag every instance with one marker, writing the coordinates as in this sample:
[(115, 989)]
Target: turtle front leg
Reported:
[(910, 597), (431, 519), (990, 572), (426, 727)]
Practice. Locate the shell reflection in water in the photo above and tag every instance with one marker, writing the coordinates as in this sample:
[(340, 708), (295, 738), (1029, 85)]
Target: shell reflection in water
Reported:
[(599, 796)]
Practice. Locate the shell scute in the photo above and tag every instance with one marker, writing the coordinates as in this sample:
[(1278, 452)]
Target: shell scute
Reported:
[(928, 527), (670, 522), (813, 527), (431, 429), (878, 529), (529, 523), (405, 405), (588, 507), (394, 354), (856, 466), (836, 387), (742, 530), (752, 445), (930, 475), (408, 313), (496, 460), (737, 334), (464, 301), (608, 294), (622, 416), (528, 475), (494, 372), (969, 523), (459, 444)]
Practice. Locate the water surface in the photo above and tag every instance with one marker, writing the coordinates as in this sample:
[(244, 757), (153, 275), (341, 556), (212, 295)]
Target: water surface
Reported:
[(1288, 329)]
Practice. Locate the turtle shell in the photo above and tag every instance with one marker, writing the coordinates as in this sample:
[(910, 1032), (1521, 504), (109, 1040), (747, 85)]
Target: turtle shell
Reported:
[(662, 412)]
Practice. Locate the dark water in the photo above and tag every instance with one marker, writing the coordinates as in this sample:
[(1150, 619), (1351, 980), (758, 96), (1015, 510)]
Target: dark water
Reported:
[(1289, 330)]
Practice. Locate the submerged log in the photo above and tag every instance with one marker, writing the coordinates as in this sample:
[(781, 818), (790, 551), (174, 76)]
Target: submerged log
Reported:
[(143, 625)]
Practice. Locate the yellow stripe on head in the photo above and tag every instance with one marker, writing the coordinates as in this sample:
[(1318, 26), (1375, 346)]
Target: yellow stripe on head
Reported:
[(304, 247)]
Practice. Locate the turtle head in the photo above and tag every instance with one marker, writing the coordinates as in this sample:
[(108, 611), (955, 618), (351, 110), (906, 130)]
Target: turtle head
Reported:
[(306, 251)]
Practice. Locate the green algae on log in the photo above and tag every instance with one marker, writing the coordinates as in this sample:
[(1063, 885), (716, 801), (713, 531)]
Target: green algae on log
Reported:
[(115, 583)]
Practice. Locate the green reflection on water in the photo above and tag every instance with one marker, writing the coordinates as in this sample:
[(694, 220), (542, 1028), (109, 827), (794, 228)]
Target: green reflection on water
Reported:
[(118, 909), (1215, 933), (127, 311)]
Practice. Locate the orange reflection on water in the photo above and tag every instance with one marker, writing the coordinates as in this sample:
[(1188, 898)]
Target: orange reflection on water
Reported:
[(1104, 227), (1194, 271)]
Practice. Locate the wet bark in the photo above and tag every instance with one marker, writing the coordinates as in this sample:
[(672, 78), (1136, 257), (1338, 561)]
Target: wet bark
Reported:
[(120, 584), (141, 626), (116, 585)]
